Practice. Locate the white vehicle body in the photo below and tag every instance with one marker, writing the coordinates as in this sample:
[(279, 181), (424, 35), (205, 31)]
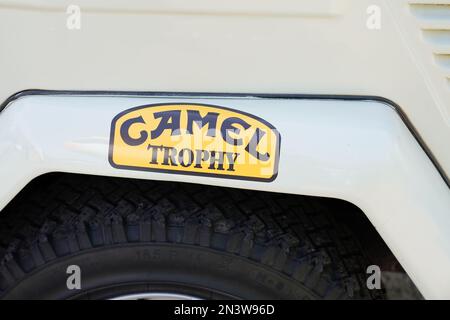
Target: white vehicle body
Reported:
[(310, 68)]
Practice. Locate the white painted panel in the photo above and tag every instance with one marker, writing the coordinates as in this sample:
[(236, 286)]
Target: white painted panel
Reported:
[(359, 151)]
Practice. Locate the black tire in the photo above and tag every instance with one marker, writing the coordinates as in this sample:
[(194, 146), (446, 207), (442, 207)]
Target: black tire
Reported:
[(133, 236)]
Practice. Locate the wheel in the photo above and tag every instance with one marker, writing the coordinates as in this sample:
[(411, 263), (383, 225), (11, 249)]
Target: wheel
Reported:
[(156, 240)]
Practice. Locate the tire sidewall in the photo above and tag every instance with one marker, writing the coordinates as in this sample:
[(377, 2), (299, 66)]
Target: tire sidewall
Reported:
[(183, 268)]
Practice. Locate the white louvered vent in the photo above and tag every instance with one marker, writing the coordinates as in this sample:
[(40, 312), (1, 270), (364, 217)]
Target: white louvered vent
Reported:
[(434, 19)]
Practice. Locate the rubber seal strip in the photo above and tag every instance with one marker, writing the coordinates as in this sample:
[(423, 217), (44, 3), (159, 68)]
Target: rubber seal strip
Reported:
[(392, 104)]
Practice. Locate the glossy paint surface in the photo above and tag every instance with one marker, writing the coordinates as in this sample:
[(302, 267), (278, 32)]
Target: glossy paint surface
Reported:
[(359, 151)]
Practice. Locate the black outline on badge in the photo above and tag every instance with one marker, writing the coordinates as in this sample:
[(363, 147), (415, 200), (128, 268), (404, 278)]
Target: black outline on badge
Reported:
[(215, 175)]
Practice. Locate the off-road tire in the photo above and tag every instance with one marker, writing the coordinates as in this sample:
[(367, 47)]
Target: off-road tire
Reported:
[(132, 236)]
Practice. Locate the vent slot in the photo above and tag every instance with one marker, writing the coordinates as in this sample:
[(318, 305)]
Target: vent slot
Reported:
[(439, 40), (434, 20), (444, 61)]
